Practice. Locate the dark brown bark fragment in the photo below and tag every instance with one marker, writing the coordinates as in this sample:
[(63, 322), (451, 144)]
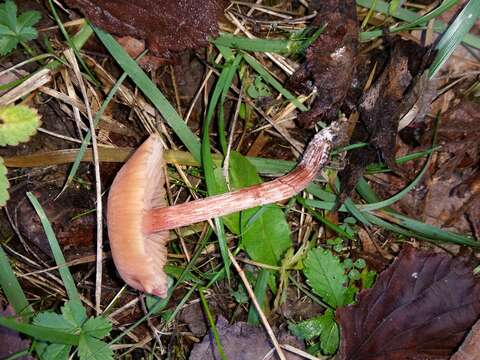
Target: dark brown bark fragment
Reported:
[(330, 61), (392, 94)]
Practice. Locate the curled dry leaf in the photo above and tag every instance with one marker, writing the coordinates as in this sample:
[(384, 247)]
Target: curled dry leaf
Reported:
[(421, 307), (330, 59), (168, 26)]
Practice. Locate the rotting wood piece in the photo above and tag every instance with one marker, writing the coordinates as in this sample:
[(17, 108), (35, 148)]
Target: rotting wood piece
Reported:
[(330, 60)]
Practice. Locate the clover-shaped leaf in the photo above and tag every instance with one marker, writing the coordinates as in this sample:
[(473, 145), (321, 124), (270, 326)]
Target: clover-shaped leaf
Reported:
[(17, 124), (13, 29)]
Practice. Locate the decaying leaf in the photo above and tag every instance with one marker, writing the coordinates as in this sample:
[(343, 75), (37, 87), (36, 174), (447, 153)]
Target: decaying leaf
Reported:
[(241, 341), (397, 89), (421, 307), (10, 341), (330, 59), (168, 26)]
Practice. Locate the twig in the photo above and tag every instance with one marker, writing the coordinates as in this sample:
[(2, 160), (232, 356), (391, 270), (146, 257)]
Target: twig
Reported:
[(263, 318), (98, 186)]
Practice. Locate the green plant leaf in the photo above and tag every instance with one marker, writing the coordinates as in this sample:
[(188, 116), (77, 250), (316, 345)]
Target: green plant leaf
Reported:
[(323, 326), (264, 230), (455, 33), (40, 332), (11, 287), (98, 327), (53, 351), (55, 321), (330, 336), (308, 329), (17, 124), (74, 313), (14, 30), (91, 348), (265, 234), (65, 274), (326, 275)]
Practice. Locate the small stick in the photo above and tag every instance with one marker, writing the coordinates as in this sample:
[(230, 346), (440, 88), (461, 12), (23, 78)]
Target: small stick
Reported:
[(265, 323)]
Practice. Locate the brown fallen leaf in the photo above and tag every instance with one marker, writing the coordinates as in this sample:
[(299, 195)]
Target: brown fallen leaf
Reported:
[(241, 341), (168, 26), (330, 59), (421, 307)]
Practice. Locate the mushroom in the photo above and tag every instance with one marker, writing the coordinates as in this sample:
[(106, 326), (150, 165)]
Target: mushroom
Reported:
[(139, 219)]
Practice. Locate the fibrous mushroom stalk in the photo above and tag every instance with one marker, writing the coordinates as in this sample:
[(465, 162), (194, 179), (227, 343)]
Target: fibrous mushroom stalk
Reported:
[(284, 187), (139, 220)]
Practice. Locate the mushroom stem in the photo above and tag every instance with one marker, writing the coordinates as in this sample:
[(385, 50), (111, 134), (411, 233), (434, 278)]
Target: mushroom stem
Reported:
[(314, 158)]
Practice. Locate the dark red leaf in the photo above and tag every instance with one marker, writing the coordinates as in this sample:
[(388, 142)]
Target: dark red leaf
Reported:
[(167, 25), (421, 307)]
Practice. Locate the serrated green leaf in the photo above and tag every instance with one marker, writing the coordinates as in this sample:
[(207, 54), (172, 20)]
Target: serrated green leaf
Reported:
[(54, 321), (330, 336), (7, 44), (323, 326), (326, 275), (19, 29), (17, 124), (98, 327), (27, 34), (74, 313), (55, 352), (308, 329), (29, 18), (8, 14), (4, 185), (91, 348)]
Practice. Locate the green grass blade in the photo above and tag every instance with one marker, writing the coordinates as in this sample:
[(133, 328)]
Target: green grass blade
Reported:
[(88, 136), (12, 289), (232, 69), (71, 43), (65, 274), (432, 232), (259, 45), (260, 292), (444, 6), (272, 81), (400, 194), (454, 34), (208, 163), (213, 327), (40, 332), (409, 16), (189, 139)]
